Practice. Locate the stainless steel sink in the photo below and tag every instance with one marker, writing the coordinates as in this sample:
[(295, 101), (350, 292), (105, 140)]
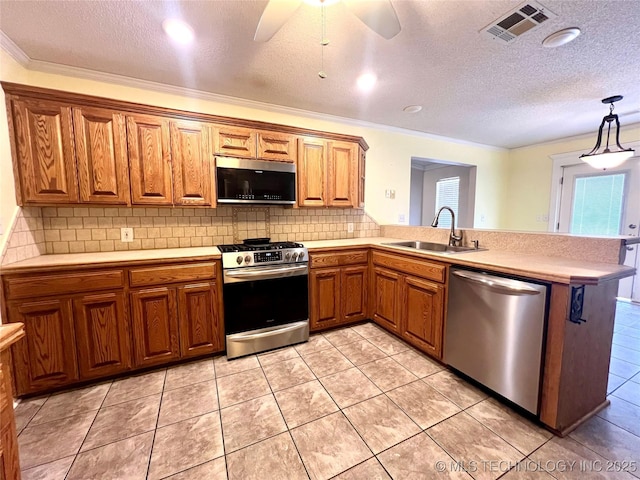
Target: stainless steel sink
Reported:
[(433, 247)]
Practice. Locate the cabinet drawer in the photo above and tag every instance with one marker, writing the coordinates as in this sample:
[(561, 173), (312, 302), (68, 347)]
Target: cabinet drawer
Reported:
[(338, 259), (421, 268), (141, 277), (42, 285)]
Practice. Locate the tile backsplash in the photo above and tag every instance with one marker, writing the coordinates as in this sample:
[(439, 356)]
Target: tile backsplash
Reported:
[(97, 229), (26, 238)]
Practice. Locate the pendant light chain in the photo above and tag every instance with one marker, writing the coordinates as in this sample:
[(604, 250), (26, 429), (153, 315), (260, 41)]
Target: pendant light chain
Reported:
[(323, 42)]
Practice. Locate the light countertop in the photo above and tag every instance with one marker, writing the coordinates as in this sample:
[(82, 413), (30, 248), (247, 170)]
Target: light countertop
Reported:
[(547, 268)]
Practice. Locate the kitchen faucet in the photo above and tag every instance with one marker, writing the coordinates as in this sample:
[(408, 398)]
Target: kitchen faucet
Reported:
[(453, 238)]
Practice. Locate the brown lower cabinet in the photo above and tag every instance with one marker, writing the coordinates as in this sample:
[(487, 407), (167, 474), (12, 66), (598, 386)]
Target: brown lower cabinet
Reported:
[(89, 324), (408, 298)]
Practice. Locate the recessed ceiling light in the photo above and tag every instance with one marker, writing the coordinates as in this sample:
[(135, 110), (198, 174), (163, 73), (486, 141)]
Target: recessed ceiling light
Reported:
[(412, 108), (367, 81), (320, 3), (561, 37), (178, 30)]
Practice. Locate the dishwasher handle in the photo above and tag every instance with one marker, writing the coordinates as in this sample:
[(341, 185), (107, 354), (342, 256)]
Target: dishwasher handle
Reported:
[(497, 284)]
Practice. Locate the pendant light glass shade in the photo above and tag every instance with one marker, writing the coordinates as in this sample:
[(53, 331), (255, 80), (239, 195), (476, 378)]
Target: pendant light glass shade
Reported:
[(606, 157)]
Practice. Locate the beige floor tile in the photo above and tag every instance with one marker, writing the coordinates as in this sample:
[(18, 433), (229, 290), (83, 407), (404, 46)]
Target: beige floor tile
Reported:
[(467, 440), (368, 330), (329, 446), (389, 344), (623, 369), (123, 420), (53, 440), (186, 444), (189, 373), (557, 456), (288, 373), (387, 374), (623, 414), (186, 402), (515, 429), (127, 458), (226, 367), (418, 364), (276, 458), (134, 387), (26, 410), (213, 470), (614, 382), (630, 392), (369, 470), (326, 362), (349, 387), (608, 440), (527, 470), (423, 404), (56, 470), (72, 402), (380, 423), (455, 389), (241, 387), (277, 356), (361, 351), (342, 336), (251, 422), (304, 403), (416, 458), (315, 344)]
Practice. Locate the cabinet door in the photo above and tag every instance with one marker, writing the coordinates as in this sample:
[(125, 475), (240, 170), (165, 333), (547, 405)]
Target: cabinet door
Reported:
[(44, 158), (423, 315), (236, 142), (311, 172), (191, 159), (101, 148), (386, 291), (324, 301), (342, 169), (155, 326), (9, 457), (200, 326), (149, 160), (362, 157), (102, 334), (46, 357), (277, 146), (353, 282)]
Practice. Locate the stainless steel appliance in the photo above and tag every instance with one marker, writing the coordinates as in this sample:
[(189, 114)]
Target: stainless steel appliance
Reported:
[(266, 298), (494, 333), (255, 181)]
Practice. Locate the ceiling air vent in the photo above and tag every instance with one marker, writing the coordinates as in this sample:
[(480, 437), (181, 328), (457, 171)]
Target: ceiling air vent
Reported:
[(517, 22)]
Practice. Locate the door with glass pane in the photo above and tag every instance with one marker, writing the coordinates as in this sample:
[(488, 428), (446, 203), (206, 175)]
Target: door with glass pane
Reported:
[(597, 202)]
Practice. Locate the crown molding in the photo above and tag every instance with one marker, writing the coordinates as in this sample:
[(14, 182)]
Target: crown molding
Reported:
[(76, 72), (13, 50)]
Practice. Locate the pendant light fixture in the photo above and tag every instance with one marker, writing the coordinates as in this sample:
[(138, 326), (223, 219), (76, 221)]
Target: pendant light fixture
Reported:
[(606, 157)]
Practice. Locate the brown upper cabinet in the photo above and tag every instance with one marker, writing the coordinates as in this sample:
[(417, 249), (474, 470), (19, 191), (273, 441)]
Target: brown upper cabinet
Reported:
[(78, 149), (328, 174), (43, 152), (101, 151)]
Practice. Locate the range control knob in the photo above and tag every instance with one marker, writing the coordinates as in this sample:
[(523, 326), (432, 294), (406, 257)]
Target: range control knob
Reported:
[(294, 255), (300, 255), (287, 256), (247, 259), (239, 259)]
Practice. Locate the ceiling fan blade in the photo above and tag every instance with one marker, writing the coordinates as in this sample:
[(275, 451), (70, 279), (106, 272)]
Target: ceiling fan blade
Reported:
[(378, 15), (275, 14)]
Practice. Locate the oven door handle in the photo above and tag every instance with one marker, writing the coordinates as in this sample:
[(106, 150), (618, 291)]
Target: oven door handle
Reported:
[(245, 275), (240, 337)]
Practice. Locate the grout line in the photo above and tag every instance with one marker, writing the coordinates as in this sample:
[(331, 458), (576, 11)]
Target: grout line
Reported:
[(153, 440)]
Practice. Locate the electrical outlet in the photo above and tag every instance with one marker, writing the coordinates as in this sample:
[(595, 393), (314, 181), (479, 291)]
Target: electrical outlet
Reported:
[(387, 194), (350, 227), (482, 218), (401, 218), (392, 194), (126, 234)]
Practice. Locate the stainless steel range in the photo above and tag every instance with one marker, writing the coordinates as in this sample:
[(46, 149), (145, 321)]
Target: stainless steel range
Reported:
[(266, 298)]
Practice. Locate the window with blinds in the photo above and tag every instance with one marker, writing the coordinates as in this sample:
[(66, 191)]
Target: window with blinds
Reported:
[(598, 202), (447, 193)]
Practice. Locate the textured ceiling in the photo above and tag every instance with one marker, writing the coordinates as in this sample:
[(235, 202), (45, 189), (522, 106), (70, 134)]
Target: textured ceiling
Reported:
[(471, 88)]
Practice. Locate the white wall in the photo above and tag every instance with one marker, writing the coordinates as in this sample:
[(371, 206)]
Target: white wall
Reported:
[(415, 196), (466, 199)]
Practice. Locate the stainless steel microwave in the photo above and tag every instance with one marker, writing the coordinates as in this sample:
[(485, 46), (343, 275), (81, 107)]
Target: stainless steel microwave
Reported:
[(255, 181)]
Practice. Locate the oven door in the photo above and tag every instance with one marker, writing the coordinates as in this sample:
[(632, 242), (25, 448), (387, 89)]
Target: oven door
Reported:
[(264, 297)]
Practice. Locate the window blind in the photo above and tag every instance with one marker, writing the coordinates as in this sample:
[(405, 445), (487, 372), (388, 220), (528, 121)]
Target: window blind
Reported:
[(447, 193)]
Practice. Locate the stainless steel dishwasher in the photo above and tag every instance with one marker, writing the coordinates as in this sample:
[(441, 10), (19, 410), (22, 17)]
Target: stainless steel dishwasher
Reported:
[(494, 333)]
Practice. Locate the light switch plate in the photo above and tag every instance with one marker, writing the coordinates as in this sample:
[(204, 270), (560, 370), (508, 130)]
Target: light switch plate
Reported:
[(126, 234), (401, 218)]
